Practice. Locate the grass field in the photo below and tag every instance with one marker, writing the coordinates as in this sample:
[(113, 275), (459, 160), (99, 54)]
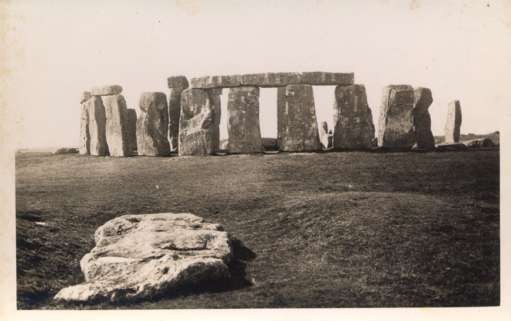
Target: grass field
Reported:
[(328, 229)]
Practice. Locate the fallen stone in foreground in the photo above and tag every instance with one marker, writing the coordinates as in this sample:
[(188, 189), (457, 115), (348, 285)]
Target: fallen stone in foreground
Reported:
[(142, 256)]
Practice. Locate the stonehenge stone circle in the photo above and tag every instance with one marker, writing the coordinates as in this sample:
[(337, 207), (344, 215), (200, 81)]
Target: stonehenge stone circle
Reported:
[(273, 79), (84, 145), (353, 120), (132, 129), (142, 256), (97, 129), (243, 123), (422, 119), (153, 125), (116, 125), (297, 126), (216, 105), (197, 130), (176, 85), (396, 117), (453, 122)]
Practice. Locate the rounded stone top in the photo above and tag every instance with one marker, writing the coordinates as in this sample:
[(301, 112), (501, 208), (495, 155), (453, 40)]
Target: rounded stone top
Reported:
[(177, 82)]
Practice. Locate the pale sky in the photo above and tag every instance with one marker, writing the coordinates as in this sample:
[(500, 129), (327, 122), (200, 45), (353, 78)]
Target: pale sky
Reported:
[(57, 49)]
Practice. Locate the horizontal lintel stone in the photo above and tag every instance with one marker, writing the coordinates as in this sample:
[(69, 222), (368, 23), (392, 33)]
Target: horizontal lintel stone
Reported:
[(274, 79), (106, 90)]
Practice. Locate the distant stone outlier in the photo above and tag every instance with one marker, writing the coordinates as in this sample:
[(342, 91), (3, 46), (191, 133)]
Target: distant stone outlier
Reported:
[(353, 120), (153, 125), (396, 129), (140, 257), (132, 129), (297, 125), (176, 85), (422, 119), (243, 124), (453, 122), (197, 132)]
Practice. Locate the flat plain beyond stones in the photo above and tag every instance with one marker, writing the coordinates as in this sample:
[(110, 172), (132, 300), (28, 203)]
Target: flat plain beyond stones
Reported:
[(273, 79)]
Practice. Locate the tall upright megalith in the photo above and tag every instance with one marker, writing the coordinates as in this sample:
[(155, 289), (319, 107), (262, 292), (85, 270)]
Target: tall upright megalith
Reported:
[(84, 145), (243, 125), (152, 125), (215, 101), (396, 117), (196, 124), (176, 85), (97, 129), (353, 120), (117, 136), (132, 129), (453, 122), (422, 119), (297, 125)]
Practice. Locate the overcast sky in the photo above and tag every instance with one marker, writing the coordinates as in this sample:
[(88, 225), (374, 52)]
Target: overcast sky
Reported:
[(57, 49)]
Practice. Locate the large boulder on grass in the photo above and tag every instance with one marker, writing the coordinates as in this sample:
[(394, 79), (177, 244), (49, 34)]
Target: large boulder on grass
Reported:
[(144, 256)]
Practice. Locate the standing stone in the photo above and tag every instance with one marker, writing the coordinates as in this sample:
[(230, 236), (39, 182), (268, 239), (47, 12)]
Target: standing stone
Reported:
[(297, 125), (422, 119), (116, 125), (152, 125), (353, 120), (243, 126), (132, 129), (453, 123), (216, 105), (176, 84), (97, 129), (84, 147), (396, 117), (196, 124)]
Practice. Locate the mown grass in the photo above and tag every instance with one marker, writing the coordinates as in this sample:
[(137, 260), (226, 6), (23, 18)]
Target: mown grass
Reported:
[(328, 230)]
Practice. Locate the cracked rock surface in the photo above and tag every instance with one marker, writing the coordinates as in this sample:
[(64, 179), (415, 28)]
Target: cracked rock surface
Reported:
[(142, 256)]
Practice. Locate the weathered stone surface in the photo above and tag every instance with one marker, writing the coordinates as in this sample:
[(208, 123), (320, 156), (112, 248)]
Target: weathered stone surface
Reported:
[(297, 125), (106, 90), (132, 129), (197, 129), (450, 147), (396, 117), (153, 125), (422, 119), (273, 79), (86, 95), (84, 145), (97, 126), (143, 256), (453, 122), (117, 137), (177, 82), (243, 125), (215, 101), (353, 120)]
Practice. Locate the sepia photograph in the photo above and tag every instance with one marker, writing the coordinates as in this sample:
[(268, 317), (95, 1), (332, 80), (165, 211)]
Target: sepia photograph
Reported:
[(241, 157)]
